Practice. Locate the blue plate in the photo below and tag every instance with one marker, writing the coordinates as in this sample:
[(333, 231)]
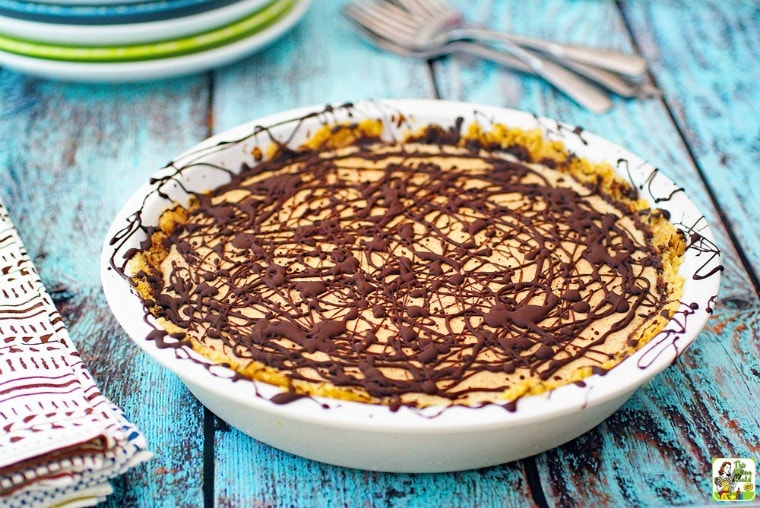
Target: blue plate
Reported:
[(87, 2), (107, 13)]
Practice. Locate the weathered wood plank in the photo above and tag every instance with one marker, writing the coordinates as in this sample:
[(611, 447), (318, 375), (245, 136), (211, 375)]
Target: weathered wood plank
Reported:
[(254, 474), (321, 62), (705, 60), (657, 448), (69, 157)]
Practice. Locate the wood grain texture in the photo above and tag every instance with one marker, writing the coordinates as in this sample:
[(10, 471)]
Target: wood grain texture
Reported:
[(705, 59), (70, 155), (311, 67), (657, 449), (250, 473), (79, 151)]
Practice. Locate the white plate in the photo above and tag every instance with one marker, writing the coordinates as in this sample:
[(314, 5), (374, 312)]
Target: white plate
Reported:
[(156, 68), (128, 33), (372, 436)]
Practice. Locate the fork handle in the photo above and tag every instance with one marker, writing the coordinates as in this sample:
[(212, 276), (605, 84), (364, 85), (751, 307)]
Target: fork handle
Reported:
[(622, 63), (615, 61), (580, 90), (612, 81), (490, 54), (609, 80), (565, 80), (573, 85)]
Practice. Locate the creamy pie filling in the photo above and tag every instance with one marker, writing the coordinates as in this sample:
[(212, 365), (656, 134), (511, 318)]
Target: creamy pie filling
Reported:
[(444, 269)]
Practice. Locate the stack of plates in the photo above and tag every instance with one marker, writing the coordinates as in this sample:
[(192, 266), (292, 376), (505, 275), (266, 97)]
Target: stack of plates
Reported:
[(127, 40)]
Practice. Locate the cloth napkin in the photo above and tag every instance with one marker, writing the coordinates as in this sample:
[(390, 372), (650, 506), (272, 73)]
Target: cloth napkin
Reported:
[(61, 440)]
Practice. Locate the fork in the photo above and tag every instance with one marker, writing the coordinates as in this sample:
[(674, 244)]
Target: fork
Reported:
[(619, 73), (466, 47), (621, 87), (444, 18), (397, 25), (611, 81)]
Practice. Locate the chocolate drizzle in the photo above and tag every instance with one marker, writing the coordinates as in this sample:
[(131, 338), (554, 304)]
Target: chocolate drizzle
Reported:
[(417, 276)]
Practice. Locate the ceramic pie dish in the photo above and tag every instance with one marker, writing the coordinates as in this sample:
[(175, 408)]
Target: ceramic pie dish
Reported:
[(405, 439)]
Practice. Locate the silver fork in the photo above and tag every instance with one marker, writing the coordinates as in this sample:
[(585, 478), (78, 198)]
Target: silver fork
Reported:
[(613, 82), (444, 18), (620, 73), (399, 26), (466, 47)]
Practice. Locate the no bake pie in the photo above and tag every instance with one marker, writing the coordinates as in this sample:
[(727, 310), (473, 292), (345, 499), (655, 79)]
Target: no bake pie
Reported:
[(460, 265)]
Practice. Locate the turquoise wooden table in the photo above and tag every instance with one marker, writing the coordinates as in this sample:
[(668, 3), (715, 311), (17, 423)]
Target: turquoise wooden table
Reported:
[(71, 153)]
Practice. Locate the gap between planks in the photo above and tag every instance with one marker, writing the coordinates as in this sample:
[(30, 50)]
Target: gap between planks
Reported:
[(727, 224)]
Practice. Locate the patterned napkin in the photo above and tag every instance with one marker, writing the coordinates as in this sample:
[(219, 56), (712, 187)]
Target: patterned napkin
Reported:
[(61, 440)]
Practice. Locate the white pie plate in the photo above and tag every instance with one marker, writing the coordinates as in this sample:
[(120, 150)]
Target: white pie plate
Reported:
[(407, 440)]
